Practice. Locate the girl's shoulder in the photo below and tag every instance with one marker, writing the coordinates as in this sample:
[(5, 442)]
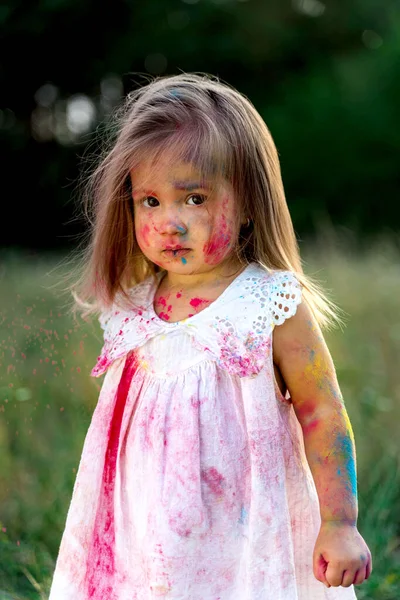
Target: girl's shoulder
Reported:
[(137, 299), (277, 291)]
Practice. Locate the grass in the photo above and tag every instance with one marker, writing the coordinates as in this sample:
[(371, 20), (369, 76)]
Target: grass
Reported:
[(47, 398)]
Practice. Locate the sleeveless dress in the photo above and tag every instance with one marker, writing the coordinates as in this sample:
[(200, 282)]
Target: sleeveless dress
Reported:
[(193, 482)]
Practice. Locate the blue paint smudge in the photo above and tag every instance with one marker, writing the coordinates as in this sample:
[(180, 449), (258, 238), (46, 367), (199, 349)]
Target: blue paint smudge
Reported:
[(345, 446), (243, 515), (176, 93), (183, 259)]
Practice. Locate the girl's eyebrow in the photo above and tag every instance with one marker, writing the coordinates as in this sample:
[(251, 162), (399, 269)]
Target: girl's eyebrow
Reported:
[(189, 185), (179, 185)]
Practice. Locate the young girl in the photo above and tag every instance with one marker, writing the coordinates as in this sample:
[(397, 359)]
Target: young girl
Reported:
[(220, 460)]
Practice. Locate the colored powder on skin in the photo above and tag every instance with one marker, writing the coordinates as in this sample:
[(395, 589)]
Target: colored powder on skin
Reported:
[(348, 424), (145, 234), (195, 302), (162, 301), (183, 259), (305, 411), (215, 249), (344, 446), (178, 295), (310, 427), (315, 371)]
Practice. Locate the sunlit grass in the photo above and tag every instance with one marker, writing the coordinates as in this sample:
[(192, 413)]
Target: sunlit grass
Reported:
[(47, 398)]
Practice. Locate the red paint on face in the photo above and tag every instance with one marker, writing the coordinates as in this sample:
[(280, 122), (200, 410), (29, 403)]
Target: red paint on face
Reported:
[(178, 295), (216, 248), (100, 567), (145, 234)]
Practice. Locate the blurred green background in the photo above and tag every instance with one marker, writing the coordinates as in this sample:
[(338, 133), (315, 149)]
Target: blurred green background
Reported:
[(326, 80)]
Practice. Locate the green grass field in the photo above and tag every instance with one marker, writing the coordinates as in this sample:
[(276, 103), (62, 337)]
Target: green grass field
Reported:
[(47, 398)]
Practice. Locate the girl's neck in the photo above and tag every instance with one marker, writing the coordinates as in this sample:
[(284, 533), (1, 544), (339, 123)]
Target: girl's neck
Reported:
[(221, 275)]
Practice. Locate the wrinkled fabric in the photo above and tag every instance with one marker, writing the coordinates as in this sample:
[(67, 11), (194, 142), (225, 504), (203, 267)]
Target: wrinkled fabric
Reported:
[(193, 482)]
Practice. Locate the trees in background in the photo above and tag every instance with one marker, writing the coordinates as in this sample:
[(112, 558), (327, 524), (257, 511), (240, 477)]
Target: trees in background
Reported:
[(325, 79)]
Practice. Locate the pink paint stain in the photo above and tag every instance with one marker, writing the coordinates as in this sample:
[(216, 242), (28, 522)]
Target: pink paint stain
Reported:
[(162, 301), (100, 567), (215, 249), (310, 427), (214, 480), (145, 234), (103, 362), (195, 302), (178, 295)]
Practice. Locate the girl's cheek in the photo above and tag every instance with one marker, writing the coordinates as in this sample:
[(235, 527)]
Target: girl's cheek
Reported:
[(218, 246), (143, 235), (221, 238), (145, 230)]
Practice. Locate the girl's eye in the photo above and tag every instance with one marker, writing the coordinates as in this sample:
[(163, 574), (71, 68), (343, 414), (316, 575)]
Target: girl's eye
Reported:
[(202, 198), (151, 199)]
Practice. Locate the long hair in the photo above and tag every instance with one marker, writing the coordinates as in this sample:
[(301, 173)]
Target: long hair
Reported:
[(198, 119)]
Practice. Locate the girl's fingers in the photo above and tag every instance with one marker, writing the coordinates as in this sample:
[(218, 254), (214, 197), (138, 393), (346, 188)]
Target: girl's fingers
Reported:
[(368, 568), (360, 576), (325, 581), (334, 574), (320, 569), (348, 578)]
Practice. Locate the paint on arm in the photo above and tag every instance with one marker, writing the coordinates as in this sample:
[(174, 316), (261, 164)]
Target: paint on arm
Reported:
[(307, 367)]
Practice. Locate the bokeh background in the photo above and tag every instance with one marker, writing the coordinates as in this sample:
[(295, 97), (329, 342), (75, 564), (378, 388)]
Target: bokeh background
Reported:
[(325, 77)]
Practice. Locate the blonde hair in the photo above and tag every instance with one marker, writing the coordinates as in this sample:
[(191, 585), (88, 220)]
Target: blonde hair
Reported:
[(197, 119)]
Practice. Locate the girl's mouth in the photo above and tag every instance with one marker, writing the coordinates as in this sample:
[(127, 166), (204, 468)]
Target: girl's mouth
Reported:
[(176, 253)]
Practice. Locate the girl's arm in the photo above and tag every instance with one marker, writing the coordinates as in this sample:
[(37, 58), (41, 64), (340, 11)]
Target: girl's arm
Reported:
[(341, 556)]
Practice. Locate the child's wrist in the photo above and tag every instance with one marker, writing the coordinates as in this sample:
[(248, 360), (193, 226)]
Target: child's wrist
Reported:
[(343, 522)]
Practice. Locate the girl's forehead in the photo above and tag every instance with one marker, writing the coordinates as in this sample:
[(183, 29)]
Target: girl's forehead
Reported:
[(180, 175), (164, 168)]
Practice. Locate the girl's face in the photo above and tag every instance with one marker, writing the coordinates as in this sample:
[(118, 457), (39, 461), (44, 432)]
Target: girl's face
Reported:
[(175, 210)]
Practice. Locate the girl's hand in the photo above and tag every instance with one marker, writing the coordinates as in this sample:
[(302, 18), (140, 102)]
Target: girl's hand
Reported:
[(341, 556)]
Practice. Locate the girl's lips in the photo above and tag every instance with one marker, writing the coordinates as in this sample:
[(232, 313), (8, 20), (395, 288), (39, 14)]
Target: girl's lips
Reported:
[(176, 253)]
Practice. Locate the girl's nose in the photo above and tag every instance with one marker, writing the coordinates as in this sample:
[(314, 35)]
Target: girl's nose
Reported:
[(171, 226)]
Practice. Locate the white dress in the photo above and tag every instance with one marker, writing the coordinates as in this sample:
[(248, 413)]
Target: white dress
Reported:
[(193, 482)]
